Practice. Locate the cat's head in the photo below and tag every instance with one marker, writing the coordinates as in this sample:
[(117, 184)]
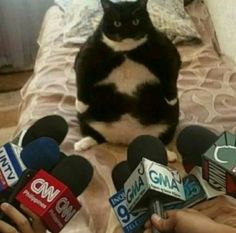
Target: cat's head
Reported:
[(124, 20)]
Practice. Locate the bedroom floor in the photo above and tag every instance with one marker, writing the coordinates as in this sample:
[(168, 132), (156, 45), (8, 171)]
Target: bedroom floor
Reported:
[(10, 85)]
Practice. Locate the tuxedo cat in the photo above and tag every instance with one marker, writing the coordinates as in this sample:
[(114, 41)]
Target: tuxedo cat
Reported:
[(126, 77)]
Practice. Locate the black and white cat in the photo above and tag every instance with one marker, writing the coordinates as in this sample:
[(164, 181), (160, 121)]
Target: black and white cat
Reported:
[(126, 76)]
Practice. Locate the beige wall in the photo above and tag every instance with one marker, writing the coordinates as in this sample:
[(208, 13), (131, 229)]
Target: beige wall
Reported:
[(223, 14)]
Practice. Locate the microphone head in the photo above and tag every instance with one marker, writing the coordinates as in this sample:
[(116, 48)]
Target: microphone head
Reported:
[(192, 142), (120, 174), (146, 146), (53, 126), (75, 172), (42, 153)]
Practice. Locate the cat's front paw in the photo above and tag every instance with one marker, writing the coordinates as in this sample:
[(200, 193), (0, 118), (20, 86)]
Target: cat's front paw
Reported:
[(171, 102), (84, 144), (172, 156)]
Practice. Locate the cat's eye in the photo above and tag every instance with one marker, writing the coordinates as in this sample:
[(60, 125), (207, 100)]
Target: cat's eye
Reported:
[(135, 22), (117, 24)]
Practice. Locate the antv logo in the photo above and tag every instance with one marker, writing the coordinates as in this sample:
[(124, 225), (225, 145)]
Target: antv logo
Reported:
[(6, 166)]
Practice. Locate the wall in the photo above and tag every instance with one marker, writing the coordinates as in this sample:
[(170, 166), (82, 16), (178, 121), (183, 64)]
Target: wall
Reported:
[(19, 27), (223, 14)]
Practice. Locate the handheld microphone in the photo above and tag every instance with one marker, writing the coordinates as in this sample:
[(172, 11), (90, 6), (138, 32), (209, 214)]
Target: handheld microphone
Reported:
[(131, 222), (120, 174), (52, 126), (151, 182), (219, 164), (201, 147), (209, 190), (146, 146), (40, 153), (192, 142), (53, 197), (195, 188)]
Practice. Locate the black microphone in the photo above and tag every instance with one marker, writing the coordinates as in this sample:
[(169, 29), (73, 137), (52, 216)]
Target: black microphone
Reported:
[(52, 197), (146, 146), (151, 182), (120, 174), (52, 126), (75, 171), (192, 142)]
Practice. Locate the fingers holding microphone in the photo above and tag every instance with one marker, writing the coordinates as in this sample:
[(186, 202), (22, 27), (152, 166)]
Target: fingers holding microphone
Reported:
[(182, 221), (21, 221)]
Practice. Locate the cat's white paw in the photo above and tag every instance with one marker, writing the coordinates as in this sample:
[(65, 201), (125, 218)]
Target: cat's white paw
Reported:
[(171, 102), (172, 156), (84, 144), (80, 106)]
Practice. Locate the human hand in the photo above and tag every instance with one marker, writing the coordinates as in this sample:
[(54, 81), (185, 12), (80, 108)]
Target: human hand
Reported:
[(182, 221), (221, 209), (24, 226)]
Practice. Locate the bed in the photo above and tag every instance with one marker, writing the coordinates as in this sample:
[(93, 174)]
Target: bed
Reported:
[(207, 94)]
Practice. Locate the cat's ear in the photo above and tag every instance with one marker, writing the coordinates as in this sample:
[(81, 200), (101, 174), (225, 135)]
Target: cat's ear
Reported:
[(143, 3), (106, 4)]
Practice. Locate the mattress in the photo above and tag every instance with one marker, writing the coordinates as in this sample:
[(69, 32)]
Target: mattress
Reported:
[(207, 94)]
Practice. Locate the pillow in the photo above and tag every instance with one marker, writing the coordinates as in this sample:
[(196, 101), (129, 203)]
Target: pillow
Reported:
[(168, 16)]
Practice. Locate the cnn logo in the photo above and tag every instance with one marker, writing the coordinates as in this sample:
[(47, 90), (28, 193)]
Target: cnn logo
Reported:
[(44, 189), (65, 209)]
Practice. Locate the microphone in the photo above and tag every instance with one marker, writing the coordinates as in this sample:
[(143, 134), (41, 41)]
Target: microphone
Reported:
[(41, 153), (209, 190), (194, 193), (120, 174), (131, 222), (151, 182), (216, 154), (195, 188), (192, 142), (219, 164), (146, 146), (53, 197), (52, 126)]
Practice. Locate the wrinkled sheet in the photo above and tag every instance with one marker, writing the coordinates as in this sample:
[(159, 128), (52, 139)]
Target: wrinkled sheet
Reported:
[(207, 93)]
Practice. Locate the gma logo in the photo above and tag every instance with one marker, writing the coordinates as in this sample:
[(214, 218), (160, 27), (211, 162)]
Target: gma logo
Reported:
[(163, 180), (44, 189), (135, 190)]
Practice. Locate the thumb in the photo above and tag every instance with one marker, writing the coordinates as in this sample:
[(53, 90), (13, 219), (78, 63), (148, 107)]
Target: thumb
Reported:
[(163, 225)]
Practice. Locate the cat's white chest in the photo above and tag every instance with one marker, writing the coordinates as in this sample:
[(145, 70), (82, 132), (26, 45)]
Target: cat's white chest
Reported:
[(128, 76)]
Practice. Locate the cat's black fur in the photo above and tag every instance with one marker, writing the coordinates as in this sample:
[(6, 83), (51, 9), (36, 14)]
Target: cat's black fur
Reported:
[(96, 60)]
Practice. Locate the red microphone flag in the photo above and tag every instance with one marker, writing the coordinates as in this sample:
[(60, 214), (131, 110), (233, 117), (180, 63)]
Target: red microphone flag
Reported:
[(49, 199)]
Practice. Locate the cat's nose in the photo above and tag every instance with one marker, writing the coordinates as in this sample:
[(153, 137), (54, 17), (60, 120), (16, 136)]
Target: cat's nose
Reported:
[(118, 38)]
